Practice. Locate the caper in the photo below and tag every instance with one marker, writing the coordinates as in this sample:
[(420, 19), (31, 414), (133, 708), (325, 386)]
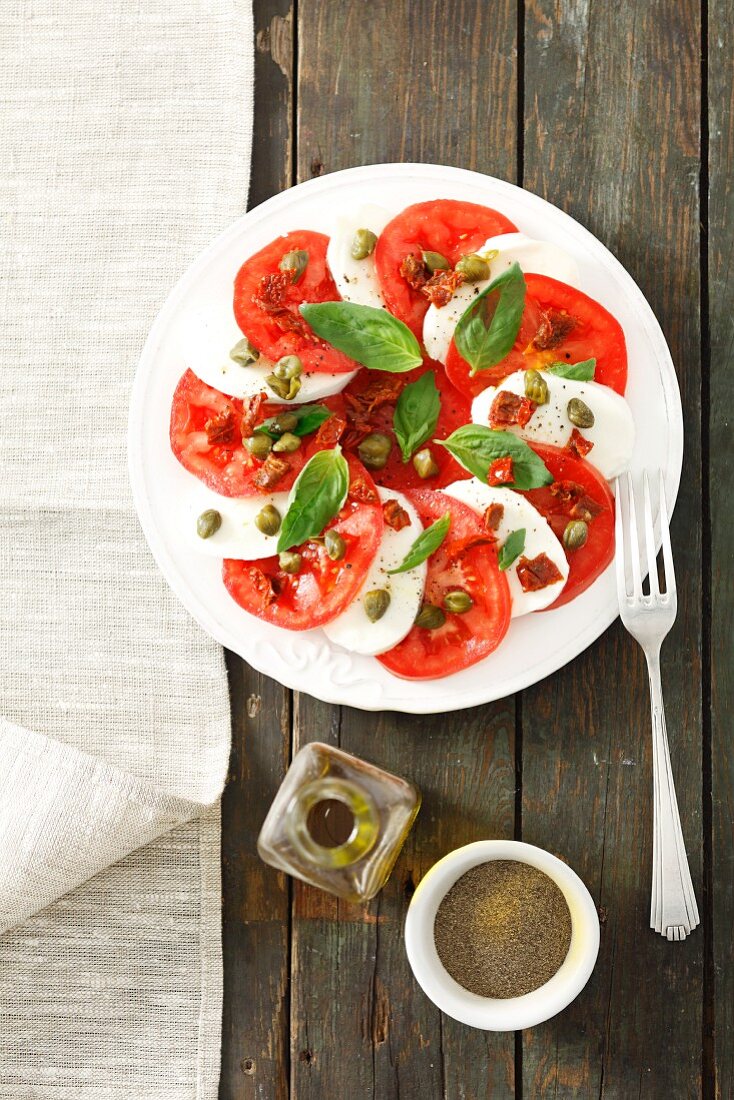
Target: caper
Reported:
[(430, 617), (243, 352), (290, 366), (335, 545), (474, 268), (259, 445), (579, 413), (458, 601), (434, 261), (267, 520), (376, 603), (285, 388), (575, 534), (425, 464), (284, 422), (536, 387), (289, 562), (287, 443), (363, 244), (294, 264), (208, 523), (374, 450)]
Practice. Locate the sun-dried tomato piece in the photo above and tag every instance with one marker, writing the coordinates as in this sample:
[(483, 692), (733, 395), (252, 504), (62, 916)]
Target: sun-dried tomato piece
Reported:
[(378, 392), (330, 432), (509, 408), (500, 471), (577, 445), (586, 509), (536, 573), (555, 325), (395, 515), (414, 271), (251, 414), (503, 410), (270, 298), (361, 491), (270, 294), (271, 472), (265, 587), (441, 287), (566, 492), (526, 410), (221, 430), (458, 547), (493, 516)]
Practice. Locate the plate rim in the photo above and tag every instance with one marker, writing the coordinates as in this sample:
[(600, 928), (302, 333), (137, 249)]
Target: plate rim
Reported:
[(329, 691)]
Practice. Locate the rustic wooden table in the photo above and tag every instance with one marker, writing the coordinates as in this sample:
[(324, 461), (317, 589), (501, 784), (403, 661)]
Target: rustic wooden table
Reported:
[(621, 114)]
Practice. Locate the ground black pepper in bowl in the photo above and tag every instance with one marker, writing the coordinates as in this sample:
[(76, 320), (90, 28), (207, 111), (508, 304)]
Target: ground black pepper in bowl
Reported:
[(503, 929)]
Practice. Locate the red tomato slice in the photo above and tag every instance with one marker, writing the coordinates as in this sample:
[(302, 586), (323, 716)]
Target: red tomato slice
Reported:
[(446, 226), (463, 639), (228, 468), (590, 560), (455, 411), (322, 588), (280, 330), (596, 334)]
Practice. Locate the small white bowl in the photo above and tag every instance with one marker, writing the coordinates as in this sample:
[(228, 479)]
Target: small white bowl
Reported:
[(491, 1013)]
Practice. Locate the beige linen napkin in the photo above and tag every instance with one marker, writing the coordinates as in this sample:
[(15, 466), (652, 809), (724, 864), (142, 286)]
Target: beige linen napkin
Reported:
[(125, 132)]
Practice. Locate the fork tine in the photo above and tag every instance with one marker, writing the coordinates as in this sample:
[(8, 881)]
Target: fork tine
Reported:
[(665, 534), (619, 541), (634, 541), (652, 567)]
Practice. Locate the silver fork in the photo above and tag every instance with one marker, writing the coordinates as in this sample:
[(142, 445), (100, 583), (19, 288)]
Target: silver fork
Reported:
[(673, 909)]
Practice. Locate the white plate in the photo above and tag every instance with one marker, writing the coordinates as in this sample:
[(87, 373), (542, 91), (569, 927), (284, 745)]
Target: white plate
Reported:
[(535, 645)]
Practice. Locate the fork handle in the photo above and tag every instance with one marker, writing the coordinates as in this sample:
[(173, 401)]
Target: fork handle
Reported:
[(673, 900)]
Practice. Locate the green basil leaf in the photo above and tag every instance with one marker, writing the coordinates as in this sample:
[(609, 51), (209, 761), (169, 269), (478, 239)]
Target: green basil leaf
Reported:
[(580, 372), (416, 414), (477, 447), (373, 337), (511, 548), (317, 496), (488, 328), (310, 417), (427, 542)]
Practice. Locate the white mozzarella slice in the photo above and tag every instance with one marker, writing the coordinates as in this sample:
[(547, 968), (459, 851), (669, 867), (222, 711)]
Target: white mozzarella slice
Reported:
[(206, 341), (238, 537), (538, 257), (352, 629), (613, 431), (539, 539), (356, 280)]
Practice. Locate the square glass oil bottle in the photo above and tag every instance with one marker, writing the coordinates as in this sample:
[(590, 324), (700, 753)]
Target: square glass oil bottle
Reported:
[(338, 822)]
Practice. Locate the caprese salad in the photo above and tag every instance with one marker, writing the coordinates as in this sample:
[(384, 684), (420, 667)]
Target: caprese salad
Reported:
[(406, 436)]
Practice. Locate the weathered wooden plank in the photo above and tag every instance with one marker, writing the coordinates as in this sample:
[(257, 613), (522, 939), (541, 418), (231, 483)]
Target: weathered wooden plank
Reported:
[(255, 913), (395, 80), (612, 96), (255, 898), (720, 607), (273, 139)]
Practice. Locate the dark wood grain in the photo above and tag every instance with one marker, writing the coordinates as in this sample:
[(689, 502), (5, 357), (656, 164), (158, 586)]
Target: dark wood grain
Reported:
[(720, 300), (612, 96), (379, 82), (256, 900)]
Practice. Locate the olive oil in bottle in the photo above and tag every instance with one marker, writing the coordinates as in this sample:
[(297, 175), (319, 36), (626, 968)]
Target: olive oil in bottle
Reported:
[(338, 822)]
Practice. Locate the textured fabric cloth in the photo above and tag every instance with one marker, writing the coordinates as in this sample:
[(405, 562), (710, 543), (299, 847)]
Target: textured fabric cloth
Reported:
[(125, 134)]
